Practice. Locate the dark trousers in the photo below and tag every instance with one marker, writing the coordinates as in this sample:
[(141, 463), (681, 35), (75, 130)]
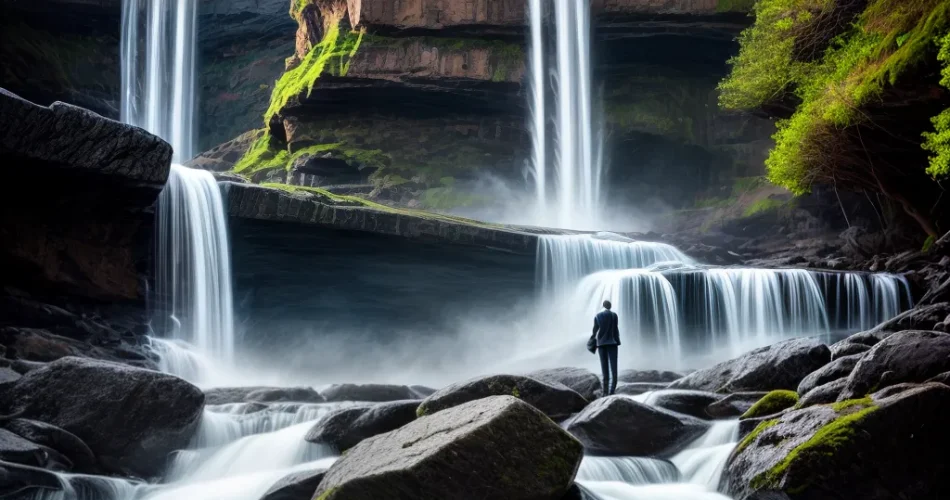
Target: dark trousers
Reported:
[(608, 365)]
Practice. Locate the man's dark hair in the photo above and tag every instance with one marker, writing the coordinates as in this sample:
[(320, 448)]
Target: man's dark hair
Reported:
[(606, 304)]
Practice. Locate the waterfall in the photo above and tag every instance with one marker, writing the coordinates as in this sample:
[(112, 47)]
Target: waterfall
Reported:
[(574, 199), (158, 90), (670, 306), (192, 265)]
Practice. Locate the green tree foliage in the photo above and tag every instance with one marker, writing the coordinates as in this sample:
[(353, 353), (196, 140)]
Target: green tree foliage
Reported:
[(938, 142)]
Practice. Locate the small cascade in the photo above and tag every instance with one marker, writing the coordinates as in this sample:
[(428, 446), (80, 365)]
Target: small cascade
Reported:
[(568, 193), (671, 306), (702, 461), (632, 470), (193, 262)]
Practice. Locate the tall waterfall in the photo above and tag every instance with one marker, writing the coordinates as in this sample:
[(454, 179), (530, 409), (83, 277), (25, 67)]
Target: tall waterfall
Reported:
[(574, 198), (667, 303), (158, 70), (193, 269)]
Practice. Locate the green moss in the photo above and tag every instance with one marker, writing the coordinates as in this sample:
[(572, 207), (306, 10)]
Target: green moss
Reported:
[(333, 50), (327, 495), (772, 403), (938, 141), (824, 443), (516, 393), (761, 206), (851, 403), (261, 157), (422, 411), (759, 429), (928, 244)]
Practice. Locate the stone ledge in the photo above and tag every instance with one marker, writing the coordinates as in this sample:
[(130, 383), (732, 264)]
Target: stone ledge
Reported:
[(251, 201)]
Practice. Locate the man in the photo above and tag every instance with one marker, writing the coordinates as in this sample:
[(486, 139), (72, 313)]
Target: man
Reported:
[(608, 339)]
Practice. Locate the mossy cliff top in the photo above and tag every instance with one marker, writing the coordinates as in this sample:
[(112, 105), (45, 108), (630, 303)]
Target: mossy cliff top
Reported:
[(854, 83)]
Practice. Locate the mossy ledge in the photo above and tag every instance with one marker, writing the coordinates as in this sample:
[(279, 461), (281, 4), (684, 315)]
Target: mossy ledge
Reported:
[(315, 206), (772, 403)]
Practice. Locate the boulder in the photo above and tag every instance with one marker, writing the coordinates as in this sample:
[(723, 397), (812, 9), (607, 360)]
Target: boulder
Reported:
[(379, 393), (847, 348), (345, 428), (922, 317), (15, 449), (580, 380), (50, 436), (734, 404), (129, 417), (778, 366), (912, 356), (555, 400), (651, 376), (692, 403), (17, 481), (617, 425), (296, 485), (943, 378), (874, 448), (823, 394), (839, 368), (228, 395), (637, 388), (496, 447)]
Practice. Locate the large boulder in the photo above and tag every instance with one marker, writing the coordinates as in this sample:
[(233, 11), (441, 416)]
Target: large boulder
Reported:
[(555, 400), (692, 403), (839, 368), (378, 393), (912, 356), (650, 376), (130, 418), (14, 448), (617, 425), (296, 485), (874, 448), (227, 395), (847, 348), (496, 447), (580, 380), (346, 427), (68, 445), (778, 366), (734, 404)]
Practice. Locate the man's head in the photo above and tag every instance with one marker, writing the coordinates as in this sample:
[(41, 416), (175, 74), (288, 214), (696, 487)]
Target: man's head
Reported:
[(607, 305)]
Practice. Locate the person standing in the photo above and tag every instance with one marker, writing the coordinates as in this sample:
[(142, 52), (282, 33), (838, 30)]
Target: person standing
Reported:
[(607, 335)]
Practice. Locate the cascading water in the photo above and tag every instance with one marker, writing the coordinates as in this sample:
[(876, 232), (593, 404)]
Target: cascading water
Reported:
[(574, 198), (192, 265), (670, 306)]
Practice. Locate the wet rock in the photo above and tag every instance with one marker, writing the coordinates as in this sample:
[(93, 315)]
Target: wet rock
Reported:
[(580, 380), (50, 436), (922, 317), (846, 348), (874, 448), (130, 418), (772, 403), (226, 395), (8, 374), (345, 428), (17, 480), (692, 403), (943, 378), (15, 449), (912, 356), (296, 486), (496, 447), (368, 392), (779, 366), (823, 394), (617, 425), (637, 388), (734, 404), (555, 400), (651, 376), (837, 369)]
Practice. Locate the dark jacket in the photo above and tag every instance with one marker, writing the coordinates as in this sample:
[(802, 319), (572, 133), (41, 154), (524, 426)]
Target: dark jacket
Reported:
[(605, 328)]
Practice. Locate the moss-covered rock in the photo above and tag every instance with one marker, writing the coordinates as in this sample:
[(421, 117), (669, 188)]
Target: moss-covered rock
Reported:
[(496, 447), (877, 447), (772, 403)]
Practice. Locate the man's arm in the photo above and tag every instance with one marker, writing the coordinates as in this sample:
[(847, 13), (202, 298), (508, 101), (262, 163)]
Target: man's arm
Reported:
[(596, 327)]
